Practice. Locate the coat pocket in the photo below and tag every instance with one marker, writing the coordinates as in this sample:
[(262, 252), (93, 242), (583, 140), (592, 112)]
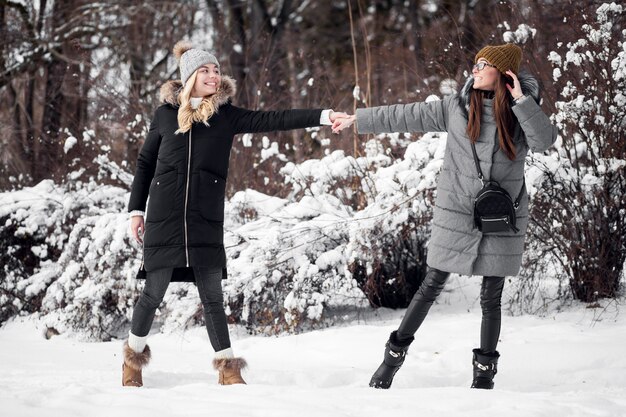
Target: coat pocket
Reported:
[(211, 194), (162, 192)]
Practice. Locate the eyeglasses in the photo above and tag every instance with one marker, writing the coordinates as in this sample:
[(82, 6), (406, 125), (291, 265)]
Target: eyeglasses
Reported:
[(481, 65)]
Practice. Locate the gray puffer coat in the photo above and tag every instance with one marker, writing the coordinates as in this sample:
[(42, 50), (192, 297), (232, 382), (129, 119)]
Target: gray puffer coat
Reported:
[(455, 244)]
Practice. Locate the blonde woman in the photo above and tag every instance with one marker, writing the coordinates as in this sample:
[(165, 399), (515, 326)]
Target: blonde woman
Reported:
[(183, 167)]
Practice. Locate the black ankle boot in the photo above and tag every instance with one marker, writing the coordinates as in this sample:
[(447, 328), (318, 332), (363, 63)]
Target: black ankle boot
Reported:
[(485, 368), (395, 352)]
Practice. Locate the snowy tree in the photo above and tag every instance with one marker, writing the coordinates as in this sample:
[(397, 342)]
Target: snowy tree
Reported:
[(579, 207)]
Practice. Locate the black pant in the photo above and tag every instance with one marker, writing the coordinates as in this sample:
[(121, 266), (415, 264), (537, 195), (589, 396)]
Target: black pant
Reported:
[(431, 287), (209, 284)]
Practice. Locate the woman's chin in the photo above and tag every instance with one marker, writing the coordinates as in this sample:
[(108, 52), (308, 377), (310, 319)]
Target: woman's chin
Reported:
[(207, 92)]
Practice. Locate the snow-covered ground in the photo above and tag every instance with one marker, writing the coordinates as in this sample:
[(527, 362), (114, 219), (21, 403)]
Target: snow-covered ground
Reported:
[(570, 364)]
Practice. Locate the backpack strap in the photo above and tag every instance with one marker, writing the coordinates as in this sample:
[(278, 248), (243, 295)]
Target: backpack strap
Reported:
[(480, 172), (519, 196)]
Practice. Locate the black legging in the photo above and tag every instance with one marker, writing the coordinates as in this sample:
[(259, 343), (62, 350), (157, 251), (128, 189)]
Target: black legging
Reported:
[(490, 302), (431, 287), (209, 284)]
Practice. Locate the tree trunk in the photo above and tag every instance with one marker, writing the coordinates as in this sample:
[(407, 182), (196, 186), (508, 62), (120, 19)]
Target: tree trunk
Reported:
[(31, 146), (49, 152), (236, 31), (74, 96), (231, 32), (3, 29), (416, 39), (294, 94), (137, 32)]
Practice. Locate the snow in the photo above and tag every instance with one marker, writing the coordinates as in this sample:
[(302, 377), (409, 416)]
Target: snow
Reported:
[(356, 93), (246, 139), (69, 143), (271, 150), (289, 271), (521, 35), (567, 364)]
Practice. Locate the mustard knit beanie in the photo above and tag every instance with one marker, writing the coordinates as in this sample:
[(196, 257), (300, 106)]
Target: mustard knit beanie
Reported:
[(503, 57)]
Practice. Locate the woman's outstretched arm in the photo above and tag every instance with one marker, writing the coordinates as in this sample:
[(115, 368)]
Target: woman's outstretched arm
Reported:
[(251, 121), (412, 117)]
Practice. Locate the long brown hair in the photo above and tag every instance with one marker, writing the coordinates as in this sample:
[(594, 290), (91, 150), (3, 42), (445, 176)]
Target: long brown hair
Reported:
[(505, 121)]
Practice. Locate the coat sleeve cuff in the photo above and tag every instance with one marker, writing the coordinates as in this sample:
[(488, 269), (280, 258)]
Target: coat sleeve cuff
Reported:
[(364, 122), (325, 117), (136, 213), (525, 109), (520, 99)]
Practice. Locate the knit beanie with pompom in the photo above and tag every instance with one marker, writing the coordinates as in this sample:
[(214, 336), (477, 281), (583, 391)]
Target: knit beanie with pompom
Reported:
[(190, 59)]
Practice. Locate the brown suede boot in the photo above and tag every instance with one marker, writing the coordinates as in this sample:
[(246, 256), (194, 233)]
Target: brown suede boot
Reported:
[(230, 370), (133, 364)]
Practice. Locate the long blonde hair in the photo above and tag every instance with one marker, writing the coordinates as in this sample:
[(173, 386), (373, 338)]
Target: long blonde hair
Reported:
[(186, 114)]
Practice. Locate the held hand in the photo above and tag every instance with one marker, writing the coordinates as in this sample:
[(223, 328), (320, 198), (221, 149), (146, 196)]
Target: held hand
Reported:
[(336, 115), (516, 89), (343, 123), (137, 228)]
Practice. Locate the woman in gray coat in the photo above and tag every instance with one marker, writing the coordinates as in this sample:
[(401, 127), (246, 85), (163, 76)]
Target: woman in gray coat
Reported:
[(497, 113)]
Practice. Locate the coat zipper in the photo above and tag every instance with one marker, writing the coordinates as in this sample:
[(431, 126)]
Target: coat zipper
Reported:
[(504, 219), (187, 199)]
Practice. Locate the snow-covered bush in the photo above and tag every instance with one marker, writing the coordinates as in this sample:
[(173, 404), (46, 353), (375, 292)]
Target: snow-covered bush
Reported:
[(578, 217), (80, 279), (26, 224), (351, 234), (387, 247), (301, 262)]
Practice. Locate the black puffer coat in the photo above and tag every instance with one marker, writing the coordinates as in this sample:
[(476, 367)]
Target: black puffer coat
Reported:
[(185, 176)]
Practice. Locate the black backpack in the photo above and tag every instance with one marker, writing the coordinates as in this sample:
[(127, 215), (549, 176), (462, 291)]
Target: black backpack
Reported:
[(494, 209)]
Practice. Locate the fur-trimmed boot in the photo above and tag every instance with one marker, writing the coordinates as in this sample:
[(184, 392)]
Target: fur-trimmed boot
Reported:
[(485, 368), (133, 364), (395, 352), (230, 370)]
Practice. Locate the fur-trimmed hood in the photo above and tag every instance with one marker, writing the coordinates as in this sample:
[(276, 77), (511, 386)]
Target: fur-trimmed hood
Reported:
[(171, 89), (529, 84)]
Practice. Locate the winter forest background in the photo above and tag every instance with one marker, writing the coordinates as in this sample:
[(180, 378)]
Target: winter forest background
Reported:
[(320, 228)]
